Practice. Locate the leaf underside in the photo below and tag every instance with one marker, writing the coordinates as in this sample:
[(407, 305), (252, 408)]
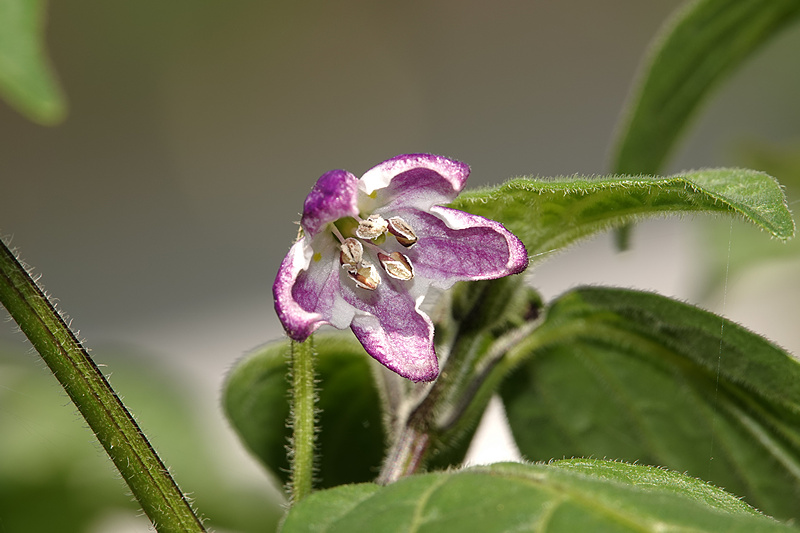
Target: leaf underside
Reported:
[(639, 377), (704, 43), (351, 438)]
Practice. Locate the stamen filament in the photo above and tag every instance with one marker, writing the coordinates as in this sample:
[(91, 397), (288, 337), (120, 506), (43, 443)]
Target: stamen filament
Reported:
[(336, 232)]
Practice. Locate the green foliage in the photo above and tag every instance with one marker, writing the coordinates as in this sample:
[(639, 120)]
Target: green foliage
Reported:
[(484, 315), (550, 214), (639, 377), (704, 43), (53, 479), (749, 249), (565, 496), (604, 373), (351, 443), (26, 78)]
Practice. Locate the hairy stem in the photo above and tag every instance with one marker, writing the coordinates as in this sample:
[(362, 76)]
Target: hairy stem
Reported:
[(489, 319), (302, 420), (406, 456), (115, 428)]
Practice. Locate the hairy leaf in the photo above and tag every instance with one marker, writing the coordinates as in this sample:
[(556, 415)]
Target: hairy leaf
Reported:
[(748, 249), (351, 442), (696, 50), (565, 496), (549, 214), (26, 79), (639, 377)]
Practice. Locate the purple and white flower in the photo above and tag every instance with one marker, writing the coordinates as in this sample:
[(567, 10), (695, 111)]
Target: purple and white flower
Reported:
[(371, 248)]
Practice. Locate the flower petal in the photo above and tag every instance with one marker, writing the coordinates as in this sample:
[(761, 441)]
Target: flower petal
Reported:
[(335, 195), (306, 291), (393, 330), (458, 246), (416, 180)]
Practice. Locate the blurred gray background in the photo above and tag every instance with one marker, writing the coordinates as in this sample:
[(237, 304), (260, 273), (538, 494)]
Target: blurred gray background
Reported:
[(159, 211)]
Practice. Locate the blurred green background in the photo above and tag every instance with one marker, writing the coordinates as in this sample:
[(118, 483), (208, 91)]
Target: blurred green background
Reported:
[(159, 210)]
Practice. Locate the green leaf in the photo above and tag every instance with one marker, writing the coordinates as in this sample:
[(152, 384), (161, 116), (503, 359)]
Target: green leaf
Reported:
[(548, 214), (775, 159), (565, 496), (351, 442), (695, 51), (635, 376), (26, 78), (732, 259)]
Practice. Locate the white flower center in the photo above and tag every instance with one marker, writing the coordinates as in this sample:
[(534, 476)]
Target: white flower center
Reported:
[(396, 265)]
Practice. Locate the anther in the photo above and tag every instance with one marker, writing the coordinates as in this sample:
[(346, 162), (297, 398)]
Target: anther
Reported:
[(365, 276), (372, 228), (402, 231), (396, 265), (351, 252)]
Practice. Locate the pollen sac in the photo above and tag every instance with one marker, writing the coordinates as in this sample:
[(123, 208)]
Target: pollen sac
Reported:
[(397, 265), (366, 276), (402, 231), (352, 252), (372, 228)]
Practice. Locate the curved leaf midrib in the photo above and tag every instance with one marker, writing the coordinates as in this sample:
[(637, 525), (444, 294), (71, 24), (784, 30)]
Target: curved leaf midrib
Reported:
[(419, 508), (760, 434), (560, 492), (630, 497), (588, 499)]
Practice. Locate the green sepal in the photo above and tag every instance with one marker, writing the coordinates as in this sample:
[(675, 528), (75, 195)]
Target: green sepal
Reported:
[(564, 496), (639, 377), (351, 440)]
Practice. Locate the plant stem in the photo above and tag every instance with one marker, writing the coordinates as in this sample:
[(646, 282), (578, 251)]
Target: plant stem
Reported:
[(302, 420), (488, 321), (406, 456), (115, 428)]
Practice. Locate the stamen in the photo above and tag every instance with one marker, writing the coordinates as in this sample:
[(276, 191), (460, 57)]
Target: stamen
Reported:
[(371, 228), (337, 233), (397, 265), (365, 276), (402, 231), (351, 252)]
